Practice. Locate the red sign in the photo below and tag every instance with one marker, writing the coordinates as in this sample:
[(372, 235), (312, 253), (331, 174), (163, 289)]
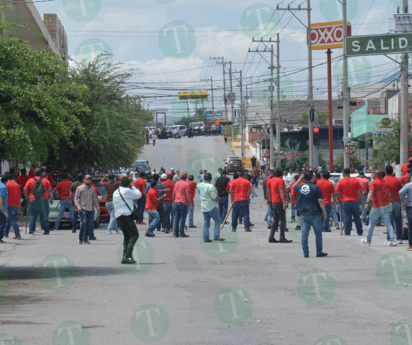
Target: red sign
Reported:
[(328, 35), (350, 149)]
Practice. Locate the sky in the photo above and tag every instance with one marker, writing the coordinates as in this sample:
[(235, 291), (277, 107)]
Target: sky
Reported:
[(170, 43)]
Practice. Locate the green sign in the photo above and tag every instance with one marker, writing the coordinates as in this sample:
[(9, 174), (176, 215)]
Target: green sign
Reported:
[(378, 44)]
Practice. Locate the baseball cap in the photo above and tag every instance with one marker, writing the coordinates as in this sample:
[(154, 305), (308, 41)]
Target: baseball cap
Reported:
[(87, 177), (163, 177)]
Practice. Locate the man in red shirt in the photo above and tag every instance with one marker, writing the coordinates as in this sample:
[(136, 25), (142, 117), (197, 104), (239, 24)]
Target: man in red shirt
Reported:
[(181, 203), (151, 208), (276, 198), (192, 190), (13, 204), (394, 186), (141, 185), (168, 202), (63, 189), (328, 193), (364, 183), (110, 186), (38, 206), (32, 171), (404, 168), (381, 209), (22, 182), (240, 190), (349, 193)]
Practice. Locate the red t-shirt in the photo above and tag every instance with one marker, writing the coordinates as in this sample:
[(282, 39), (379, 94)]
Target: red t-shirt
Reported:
[(294, 193), (31, 173), (30, 185), (327, 189), (394, 186), (380, 192), (180, 189), (14, 192), (141, 185), (240, 187), (274, 184), (151, 200), (23, 180), (404, 168), (364, 183), (51, 180), (348, 187), (169, 184), (404, 179), (63, 188), (192, 189)]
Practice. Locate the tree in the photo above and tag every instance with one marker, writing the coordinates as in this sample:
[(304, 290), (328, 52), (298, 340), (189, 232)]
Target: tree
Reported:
[(322, 117), (321, 158), (354, 160)]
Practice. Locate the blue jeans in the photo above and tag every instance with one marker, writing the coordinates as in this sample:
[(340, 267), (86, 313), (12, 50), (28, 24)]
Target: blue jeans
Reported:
[(141, 205), (334, 215), (349, 209), (396, 219), (223, 205), (215, 215), (154, 220), (409, 218), (74, 219), (241, 208), (39, 208), (256, 181), (11, 221), (308, 219), (86, 224), (364, 212), (269, 215), (112, 223), (63, 204), (169, 214), (180, 218), (328, 209), (191, 214), (292, 214), (376, 214), (3, 222)]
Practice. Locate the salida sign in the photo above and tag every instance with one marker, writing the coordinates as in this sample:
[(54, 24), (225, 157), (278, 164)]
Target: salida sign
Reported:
[(378, 44)]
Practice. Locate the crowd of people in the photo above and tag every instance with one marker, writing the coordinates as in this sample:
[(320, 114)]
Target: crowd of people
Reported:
[(168, 200)]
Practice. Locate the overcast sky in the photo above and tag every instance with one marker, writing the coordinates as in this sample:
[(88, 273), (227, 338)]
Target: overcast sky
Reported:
[(170, 42)]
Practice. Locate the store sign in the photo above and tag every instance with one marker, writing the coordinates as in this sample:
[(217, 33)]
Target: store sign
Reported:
[(328, 35)]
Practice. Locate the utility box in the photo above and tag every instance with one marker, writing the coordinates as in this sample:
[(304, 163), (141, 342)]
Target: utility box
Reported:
[(403, 22)]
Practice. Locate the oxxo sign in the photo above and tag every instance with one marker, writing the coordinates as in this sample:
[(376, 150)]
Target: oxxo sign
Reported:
[(328, 35), (378, 44)]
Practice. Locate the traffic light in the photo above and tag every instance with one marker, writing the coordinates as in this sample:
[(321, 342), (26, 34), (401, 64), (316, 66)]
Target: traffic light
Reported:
[(354, 102), (217, 123), (316, 131)]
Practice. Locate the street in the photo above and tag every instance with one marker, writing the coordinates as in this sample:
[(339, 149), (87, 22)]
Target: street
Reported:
[(184, 291)]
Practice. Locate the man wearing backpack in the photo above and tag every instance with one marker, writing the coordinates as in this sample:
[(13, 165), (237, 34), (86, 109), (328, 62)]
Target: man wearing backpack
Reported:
[(38, 190)]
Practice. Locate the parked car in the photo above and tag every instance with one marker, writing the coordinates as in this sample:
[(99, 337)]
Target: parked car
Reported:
[(142, 165), (226, 161), (234, 165), (198, 128)]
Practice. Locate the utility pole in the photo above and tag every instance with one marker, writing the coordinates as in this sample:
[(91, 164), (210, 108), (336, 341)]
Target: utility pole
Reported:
[(242, 120), (278, 142), (231, 102), (223, 63), (213, 101), (404, 99), (346, 157)]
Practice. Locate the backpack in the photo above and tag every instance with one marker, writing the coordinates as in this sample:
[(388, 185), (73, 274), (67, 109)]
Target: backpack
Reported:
[(38, 189)]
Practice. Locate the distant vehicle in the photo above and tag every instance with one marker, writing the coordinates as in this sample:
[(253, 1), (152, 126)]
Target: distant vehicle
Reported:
[(198, 128), (226, 161), (142, 165), (234, 165)]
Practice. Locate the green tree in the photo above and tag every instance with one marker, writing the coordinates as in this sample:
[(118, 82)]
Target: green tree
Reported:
[(354, 160), (321, 158), (322, 117)]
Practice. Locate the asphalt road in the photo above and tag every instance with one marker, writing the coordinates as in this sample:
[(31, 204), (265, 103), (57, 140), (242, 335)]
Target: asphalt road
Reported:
[(245, 291)]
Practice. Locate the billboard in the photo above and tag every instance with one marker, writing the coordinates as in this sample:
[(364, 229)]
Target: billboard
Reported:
[(193, 95), (218, 115), (328, 35)]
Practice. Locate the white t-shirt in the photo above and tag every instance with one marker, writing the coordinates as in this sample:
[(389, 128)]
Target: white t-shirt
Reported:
[(120, 208)]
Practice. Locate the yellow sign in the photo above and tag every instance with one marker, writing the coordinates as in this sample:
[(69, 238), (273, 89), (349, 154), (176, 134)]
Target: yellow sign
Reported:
[(193, 95)]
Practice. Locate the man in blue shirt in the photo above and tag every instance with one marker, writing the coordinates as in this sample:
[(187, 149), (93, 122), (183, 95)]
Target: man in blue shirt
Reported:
[(312, 208), (407, 190), (3, 206)]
